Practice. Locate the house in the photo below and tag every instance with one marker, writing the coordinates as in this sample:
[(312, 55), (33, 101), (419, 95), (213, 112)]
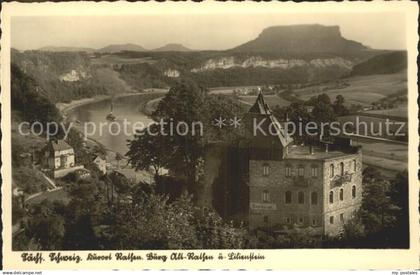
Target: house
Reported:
[(100, 162), (270, 182), (58, 159), (82, 173)]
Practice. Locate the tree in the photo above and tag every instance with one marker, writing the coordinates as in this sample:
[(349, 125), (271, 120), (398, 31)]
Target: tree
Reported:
[(378, 212), (323, 114), (338, 106), (371, 173), (118, 158), (18, 211), (323, 111), (75, 139), (297, 114), (150, 222), (184, 104), (85, 210), (213, 233), (354, 232), (399, 197), (46, 226), (149, 151), (31, 181), (27, 97)]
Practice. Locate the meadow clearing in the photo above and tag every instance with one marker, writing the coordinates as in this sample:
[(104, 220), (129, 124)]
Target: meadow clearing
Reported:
[(361, 90)]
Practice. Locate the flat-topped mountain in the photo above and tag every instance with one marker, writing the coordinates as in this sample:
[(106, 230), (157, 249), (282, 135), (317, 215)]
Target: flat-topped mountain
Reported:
[(172, 47), (122, 47), (280, 55), (301, 39)]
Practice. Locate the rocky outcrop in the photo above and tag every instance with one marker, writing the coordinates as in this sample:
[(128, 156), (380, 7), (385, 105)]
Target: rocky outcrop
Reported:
[(257, 61), (171, 73), (301, 39), (74, 75)]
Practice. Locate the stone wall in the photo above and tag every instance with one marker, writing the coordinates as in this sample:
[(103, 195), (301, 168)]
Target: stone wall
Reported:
[(276, 212), (346, 207), (63, 172), (212, 160)]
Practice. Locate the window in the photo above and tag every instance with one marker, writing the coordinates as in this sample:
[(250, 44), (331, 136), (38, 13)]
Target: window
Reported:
[(314, 198), (353, 191), (288, 197), (313, 222), (301, 197), (287, 220), (342, 168), (266, 219), (341, 217), (354, 165), (331, 219), (301, 171), (265, 196), (331, 197), (332, 170), (341, 194), (288, 171), (314, 172), (301, 220), (266, 169)]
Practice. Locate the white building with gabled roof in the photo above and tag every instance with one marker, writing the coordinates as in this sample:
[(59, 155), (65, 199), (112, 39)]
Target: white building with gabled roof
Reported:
[(58, 159)]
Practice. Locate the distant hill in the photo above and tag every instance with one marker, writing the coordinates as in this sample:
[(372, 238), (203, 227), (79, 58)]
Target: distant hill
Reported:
[(65, 49), (172, 47), (280, 55), (121, 47), (301, 39), (387, 63)]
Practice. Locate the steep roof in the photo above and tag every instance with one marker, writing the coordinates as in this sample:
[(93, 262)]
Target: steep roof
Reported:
[(262, 108), (100, 156), (60, 145)]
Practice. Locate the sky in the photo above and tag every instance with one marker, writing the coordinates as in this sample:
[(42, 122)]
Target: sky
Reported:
[(200, 32)]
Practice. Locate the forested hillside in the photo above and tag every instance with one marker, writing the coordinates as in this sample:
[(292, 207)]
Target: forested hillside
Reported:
[(387, 63), (302, 54)]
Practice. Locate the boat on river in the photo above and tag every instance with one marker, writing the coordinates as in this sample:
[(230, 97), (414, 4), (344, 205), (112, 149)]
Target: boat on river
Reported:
[(111, 116)]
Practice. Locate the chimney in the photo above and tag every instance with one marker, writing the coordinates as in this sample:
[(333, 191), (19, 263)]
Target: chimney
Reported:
[(311, 150), (326, 147)]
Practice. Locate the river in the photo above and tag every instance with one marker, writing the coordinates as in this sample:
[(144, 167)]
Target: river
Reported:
[(128, 111)]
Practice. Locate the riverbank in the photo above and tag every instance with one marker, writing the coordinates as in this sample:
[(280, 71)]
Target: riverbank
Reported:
[(147, 99), (67, 107)]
